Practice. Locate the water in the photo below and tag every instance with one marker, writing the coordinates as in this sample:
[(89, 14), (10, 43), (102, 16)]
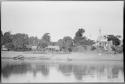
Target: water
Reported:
[(46, 71)]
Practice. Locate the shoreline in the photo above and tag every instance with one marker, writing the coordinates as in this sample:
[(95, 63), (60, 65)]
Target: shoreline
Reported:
[(69, 57)]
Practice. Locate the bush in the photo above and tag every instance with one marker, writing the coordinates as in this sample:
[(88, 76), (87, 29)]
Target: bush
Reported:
[(93, 48), (119, 49)]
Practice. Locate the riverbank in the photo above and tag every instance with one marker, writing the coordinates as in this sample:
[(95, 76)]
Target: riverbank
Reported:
[(71, 56)]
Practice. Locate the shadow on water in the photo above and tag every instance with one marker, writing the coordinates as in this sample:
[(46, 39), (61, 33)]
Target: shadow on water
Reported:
[(23, 68), (14, 69), (66, 69), (43, 68), (80, 71)]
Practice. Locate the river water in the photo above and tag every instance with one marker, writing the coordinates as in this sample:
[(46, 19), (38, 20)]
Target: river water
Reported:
[(42, 71)]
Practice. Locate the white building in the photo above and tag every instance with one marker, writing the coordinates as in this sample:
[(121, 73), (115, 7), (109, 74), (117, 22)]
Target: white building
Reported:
[(53, 47), (4, 48), (103, 42), (34, 47)]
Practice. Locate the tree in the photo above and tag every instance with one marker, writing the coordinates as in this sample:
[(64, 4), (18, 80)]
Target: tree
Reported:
[(79, 39), (116, 42), (20, 41), (45, 41), (34, 41), (87, 42), (7, 40), (60, 43), (79, 36), (1, 34), (80, 32), (1, 38), (118, 36), (114, 39)]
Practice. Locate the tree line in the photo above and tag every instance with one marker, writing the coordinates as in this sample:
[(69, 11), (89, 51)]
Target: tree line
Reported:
[(22, 42)]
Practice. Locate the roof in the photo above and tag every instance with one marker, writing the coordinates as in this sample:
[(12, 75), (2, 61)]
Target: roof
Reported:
[(55, 47)]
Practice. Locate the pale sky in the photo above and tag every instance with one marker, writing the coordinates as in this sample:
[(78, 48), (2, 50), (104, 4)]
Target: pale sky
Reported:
[(62, 18)]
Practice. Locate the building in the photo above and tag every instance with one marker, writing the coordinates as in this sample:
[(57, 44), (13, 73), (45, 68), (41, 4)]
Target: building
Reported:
[(34, 47), (4, 48), (54, 47), (103, 42), (31, 47)]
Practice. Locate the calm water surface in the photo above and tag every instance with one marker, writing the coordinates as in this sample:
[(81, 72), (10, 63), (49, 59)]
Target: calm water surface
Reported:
[(22, 71)]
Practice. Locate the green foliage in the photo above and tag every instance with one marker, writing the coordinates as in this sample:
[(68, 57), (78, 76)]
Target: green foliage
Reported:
[(46, 37), (42, 44), (79, 36), (60, 43), (67, 43)]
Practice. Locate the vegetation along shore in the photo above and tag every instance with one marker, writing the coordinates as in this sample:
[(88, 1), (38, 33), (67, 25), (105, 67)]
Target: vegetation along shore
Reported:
[(22, 46)]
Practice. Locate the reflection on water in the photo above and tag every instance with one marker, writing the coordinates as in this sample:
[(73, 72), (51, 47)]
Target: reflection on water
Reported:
[(61, 72), (43, 68), (14, 69), (80, 71), (66, 69)]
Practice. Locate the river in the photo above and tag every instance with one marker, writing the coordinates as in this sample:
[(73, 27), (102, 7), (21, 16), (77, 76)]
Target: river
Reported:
[(44, 71)]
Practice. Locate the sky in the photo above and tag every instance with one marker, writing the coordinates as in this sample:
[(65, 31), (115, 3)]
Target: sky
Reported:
[(62, 18)]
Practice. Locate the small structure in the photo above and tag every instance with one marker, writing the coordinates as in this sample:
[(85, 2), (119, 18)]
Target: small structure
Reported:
[(31, 47), (53, 48), (4, 48), (34, 47), (103, 42)]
